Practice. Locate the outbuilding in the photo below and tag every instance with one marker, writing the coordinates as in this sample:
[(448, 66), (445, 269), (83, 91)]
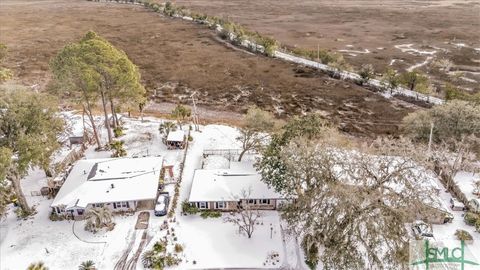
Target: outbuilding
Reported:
[(176, 139)]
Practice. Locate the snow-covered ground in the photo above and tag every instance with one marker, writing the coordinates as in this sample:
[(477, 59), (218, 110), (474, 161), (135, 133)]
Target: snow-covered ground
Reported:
[(210, 242), (446, 232), (465, 182), (217, 244)]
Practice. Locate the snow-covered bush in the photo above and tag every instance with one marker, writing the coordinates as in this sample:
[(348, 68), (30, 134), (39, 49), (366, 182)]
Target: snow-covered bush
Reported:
[(178, 248), (118, 150), (210, 214), (98, 218), (187, 208), (463, 235), (471, 218), (158, 258)]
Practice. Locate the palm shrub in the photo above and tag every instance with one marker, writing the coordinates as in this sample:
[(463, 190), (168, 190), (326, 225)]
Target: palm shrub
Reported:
[(118, 131), (87, 265), (97, 218), (118, 150), (147, 259), (37, 266)]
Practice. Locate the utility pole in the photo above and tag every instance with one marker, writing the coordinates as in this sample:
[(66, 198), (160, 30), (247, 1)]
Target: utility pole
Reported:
[(318, 52), (430, 138), (195, 112)]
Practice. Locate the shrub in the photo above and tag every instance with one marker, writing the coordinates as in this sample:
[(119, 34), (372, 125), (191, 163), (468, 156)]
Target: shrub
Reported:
[(117, 132), (37, 266), (188, 208), (178, 248), (147, 259), (471, 218), (324, 56), (366, 73), (55, 217), (118, 150), (269, 44), (190, 138), (171, 260), (463, 235), (87, 265), (210, 214), (21, 214), (452, 93), (159, 247)]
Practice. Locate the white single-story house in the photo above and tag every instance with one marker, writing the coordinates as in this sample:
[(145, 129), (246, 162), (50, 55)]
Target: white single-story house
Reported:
[(176, 139), (121, 184), (229, 189)]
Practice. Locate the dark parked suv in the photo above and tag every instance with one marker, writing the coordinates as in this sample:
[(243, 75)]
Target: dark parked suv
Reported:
[(161, 208)]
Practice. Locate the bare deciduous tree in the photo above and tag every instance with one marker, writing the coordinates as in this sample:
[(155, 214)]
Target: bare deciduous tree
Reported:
[(245, 217), (452, 156)]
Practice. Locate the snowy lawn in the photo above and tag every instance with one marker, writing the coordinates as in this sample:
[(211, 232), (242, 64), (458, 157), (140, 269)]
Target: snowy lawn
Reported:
[(446, 232), (465, 182), (212, 243)]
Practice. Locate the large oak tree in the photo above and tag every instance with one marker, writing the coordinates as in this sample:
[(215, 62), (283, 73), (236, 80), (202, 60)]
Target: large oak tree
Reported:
[(29, 131)]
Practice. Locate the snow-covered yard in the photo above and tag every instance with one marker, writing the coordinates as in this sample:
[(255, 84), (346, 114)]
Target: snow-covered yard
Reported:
[(465, 182), (210, 242), (207, 243), (446, 232)]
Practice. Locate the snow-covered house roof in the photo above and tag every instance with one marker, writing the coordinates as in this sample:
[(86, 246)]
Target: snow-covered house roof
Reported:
[(110, 180), (176, 136), (229, 185)]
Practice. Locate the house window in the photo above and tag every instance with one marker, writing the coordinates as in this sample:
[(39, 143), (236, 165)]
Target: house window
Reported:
[(264, 201), (97, 205), (125, 204), (220, 205), (252, 201), (119, 204), (202, 205)]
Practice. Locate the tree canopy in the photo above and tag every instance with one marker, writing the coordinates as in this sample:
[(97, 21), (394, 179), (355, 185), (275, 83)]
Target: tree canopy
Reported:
[(5, 73), (254, 129), (94, 69), (307, 127), (452, 120), (29, 131)]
